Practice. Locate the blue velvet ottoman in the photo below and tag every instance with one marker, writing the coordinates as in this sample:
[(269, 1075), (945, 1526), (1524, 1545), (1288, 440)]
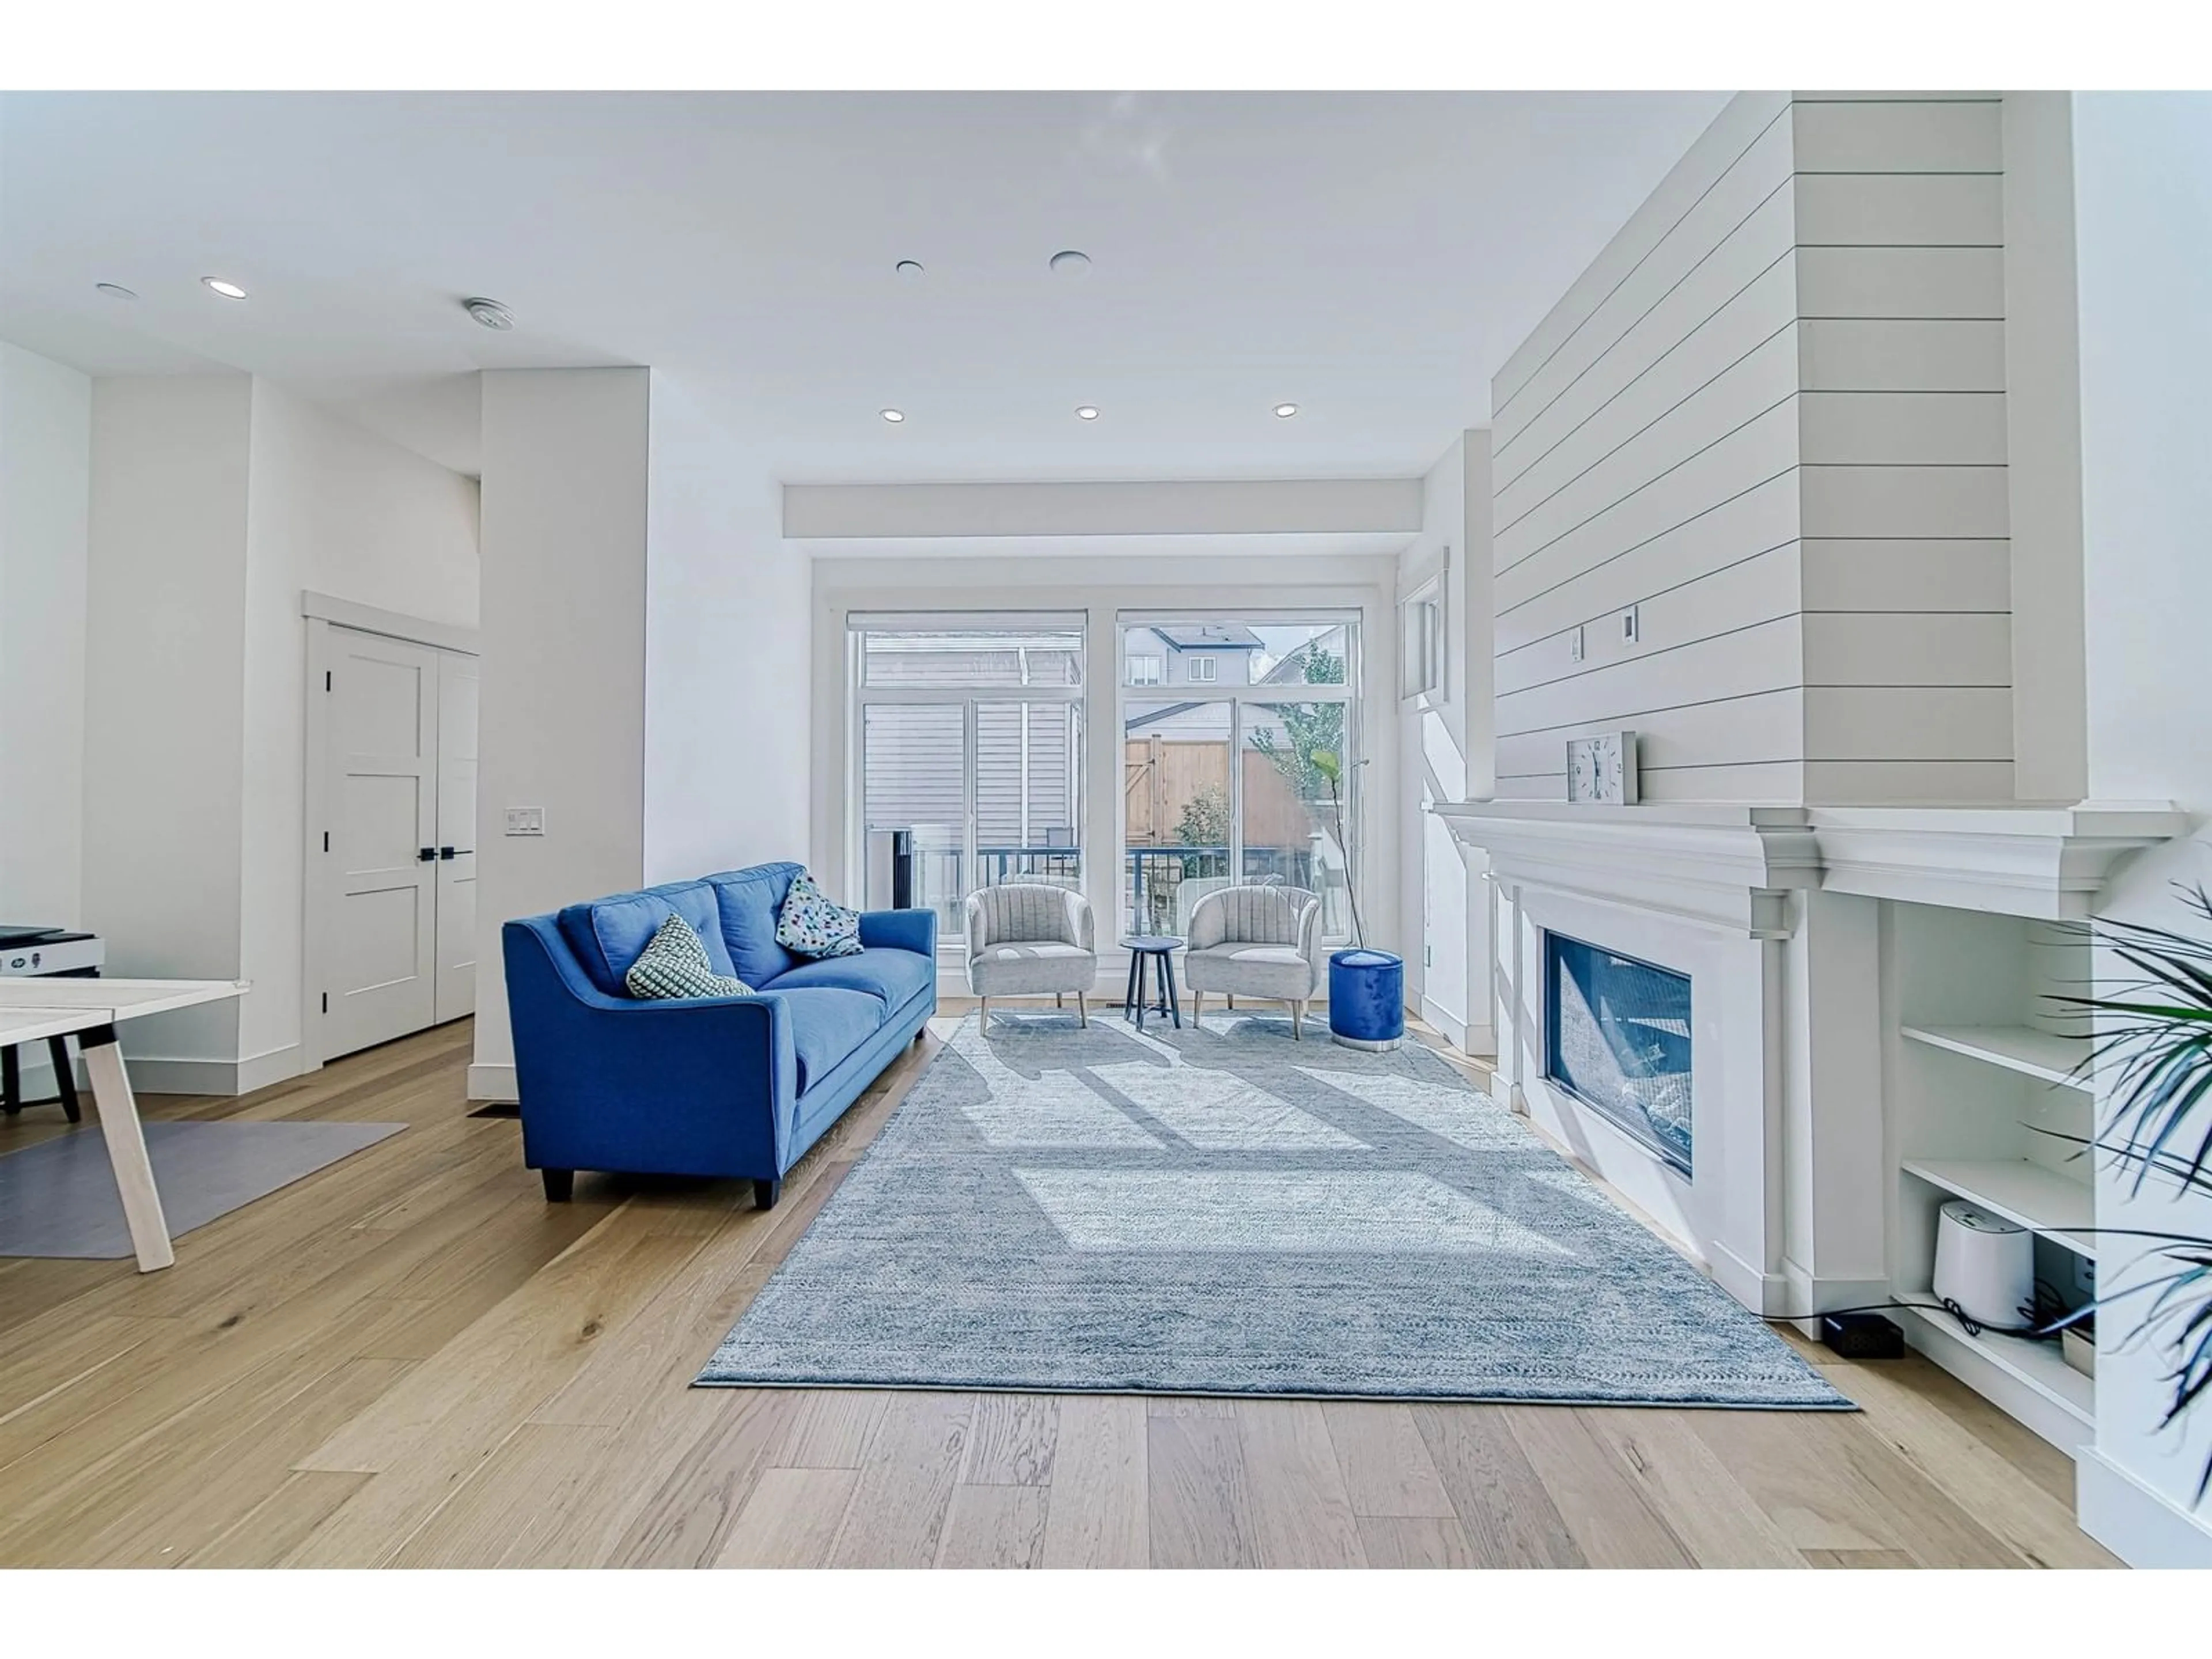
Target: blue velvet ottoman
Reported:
[(1367, 998)]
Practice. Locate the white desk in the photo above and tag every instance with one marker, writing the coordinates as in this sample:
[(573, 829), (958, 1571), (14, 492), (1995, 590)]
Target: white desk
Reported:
[(31, 1008)]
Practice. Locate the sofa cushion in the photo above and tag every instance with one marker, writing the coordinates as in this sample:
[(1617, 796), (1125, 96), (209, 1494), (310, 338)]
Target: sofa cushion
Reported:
[(610, 934), (892, 977), (675, 964), (826, 1025), (749, 901), (813, 924)]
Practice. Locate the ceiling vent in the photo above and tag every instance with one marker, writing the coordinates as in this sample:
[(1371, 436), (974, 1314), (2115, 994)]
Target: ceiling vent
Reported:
[(489, 313)]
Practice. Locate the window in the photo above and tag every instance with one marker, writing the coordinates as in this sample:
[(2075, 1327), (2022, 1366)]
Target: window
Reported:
[(1244, 771), (970, 740), (1144, 670), (1421, 644)]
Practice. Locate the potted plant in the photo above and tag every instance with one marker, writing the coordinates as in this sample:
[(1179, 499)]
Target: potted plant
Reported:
[(2155, 1035)]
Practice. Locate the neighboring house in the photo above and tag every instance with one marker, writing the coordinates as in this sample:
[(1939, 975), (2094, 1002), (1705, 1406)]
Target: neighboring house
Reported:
[(1026, 754), (1191, 653)]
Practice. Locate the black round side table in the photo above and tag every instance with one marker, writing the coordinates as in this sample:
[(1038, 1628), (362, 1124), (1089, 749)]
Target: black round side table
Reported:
[(1158, 949)]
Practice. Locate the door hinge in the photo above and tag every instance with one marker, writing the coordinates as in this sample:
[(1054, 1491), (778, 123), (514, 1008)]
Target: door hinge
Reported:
[(326, 679), (326, 1002)]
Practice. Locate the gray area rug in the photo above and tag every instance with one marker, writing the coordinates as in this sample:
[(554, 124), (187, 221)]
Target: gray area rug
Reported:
[(1222, 1211), (58, 1197)]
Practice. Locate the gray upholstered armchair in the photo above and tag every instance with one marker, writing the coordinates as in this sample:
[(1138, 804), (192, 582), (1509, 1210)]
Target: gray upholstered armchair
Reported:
[(1256, 942), (1028, 938)]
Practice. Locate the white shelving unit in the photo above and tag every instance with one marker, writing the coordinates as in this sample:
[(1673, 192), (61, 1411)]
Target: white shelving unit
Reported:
[(2026, 1194), (1987, 1102), (2049, 1059)]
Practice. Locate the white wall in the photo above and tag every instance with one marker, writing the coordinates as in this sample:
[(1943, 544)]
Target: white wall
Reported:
[(2143, 220), (728, 653), (164, 801), (1305, 506), (562, 721), (1770, 417), (1446, 753), (45, 491)]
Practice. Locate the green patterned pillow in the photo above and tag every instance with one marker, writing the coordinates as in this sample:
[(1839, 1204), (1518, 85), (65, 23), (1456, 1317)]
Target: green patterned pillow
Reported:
[(674, 963)]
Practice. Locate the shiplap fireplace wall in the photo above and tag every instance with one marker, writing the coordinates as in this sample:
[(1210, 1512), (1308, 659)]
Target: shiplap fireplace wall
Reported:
[(1768, 426)]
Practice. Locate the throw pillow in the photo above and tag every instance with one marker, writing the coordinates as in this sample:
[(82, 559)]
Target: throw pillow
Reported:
[(674, 963), (812, 924)]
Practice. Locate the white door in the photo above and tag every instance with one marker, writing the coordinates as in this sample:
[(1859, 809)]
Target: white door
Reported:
[(457, 835), (380, 871)]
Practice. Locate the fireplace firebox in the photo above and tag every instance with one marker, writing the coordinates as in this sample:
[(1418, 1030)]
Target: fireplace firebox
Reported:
[(1617, 1038)]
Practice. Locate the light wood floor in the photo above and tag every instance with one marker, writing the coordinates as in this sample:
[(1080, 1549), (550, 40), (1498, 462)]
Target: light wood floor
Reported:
[(411, 1359)]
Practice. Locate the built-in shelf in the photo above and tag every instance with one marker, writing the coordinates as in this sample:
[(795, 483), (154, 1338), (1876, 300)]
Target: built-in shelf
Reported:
[(2055, 1059), (2037, 1365), (2026, 1194)]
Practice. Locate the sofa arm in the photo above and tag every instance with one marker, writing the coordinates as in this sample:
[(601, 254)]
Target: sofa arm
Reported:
[(900, 930), (692, 1086)]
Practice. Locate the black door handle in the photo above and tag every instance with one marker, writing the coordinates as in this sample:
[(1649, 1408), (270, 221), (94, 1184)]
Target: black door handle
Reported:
[(444, 852), (427, 855)]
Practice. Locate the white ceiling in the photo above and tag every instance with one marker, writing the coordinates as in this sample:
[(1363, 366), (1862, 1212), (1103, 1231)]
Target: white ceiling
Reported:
[(1372, 257)]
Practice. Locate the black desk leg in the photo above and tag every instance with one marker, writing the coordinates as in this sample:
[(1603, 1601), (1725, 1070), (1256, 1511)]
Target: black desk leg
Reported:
[(66, 1078), (11, 1081)]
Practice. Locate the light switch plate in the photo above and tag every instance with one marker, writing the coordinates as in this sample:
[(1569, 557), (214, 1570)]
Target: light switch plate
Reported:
[(1631, 626), (1575, 644), (525, 820)]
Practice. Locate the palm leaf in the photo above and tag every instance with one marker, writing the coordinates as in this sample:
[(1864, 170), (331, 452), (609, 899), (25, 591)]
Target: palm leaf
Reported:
[(2154, 1047)]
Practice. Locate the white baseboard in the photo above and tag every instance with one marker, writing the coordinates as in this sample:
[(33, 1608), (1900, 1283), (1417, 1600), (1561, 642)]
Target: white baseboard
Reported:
[(276, 1066), (1766, 1294), (1809, 1295), (160, 1074), (2143, 1527), (493, 1083), (1453, 1027)]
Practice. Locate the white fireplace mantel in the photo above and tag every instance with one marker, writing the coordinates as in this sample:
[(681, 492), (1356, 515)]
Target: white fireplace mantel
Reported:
[(1731, 866)]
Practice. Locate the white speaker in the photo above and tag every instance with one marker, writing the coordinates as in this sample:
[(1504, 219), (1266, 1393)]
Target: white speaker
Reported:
[(1984, 1265)]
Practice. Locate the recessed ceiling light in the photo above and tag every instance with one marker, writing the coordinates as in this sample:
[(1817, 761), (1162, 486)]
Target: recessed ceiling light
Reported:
[(489, 313), (229, 290), (1086, 412), (909, 267), (1070, 262), (1284, 412), (115, 290), (894, 416)]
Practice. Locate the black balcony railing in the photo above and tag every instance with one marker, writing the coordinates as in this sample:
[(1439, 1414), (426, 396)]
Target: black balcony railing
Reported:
[(1151, 878)]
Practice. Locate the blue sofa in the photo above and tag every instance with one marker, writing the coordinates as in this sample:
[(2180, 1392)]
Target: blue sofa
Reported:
[(710, 1086)]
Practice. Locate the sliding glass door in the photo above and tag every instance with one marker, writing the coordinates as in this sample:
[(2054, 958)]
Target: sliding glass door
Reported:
[(1240, 762), (970, 742)]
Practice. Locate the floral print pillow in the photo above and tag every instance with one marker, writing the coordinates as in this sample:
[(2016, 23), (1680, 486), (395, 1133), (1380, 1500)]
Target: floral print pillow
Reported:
[(812, 924)]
